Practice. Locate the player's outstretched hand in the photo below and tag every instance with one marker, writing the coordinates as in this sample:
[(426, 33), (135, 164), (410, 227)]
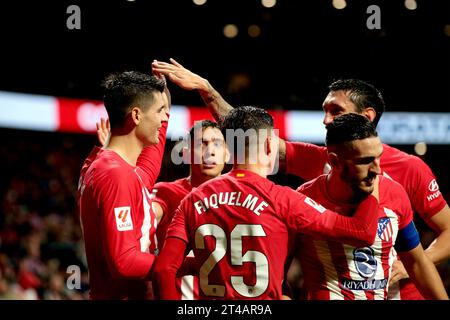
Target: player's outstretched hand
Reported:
[(166, 95), (179, 75), (103, 131)]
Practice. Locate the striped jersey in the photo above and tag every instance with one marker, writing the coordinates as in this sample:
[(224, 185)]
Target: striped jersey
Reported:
[(336, 271), (119, 226), (308, 161)]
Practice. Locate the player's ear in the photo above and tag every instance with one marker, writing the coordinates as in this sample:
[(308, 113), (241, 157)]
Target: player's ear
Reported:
[(369, 113), (333, 159), (136, 115)]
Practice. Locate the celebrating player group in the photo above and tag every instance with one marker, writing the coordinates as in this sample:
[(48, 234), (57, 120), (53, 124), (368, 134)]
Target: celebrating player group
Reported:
[(234, 235)]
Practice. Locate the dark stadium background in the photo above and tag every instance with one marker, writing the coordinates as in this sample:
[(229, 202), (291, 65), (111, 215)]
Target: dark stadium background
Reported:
[(303, 46)]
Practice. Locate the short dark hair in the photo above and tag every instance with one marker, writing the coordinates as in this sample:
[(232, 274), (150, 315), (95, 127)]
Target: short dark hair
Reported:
[(245, 118), (123, 90), (349, 127), (362, 94), (203, 124)]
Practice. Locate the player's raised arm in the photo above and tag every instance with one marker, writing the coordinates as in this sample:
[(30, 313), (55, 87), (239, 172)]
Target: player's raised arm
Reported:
[(166, 94), (188, 80), (304, 160), (217, 105)]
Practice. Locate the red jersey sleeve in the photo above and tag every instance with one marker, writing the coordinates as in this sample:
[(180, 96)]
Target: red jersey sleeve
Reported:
[(166, 268), (423, 189), (305, 160), (124, 258), (303, 215), (178, 227), (150, 158), (161, 195)]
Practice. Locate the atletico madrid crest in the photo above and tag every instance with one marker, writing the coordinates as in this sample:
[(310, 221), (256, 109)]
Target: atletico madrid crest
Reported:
[(385, 229)]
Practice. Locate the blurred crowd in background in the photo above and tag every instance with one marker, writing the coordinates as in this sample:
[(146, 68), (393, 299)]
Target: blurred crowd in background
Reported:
[(40, 233)]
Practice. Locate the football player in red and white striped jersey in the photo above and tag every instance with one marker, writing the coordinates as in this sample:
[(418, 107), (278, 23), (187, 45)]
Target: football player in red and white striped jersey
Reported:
[(117, 220), (336, 271)]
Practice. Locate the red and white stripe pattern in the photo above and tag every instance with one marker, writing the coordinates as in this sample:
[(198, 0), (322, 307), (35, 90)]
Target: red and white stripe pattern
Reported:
[(148, 240), (349, 273)]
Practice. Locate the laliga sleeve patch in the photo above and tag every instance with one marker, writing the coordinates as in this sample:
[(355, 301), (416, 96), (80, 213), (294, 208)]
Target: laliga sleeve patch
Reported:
[(315, 205), (123, 218)]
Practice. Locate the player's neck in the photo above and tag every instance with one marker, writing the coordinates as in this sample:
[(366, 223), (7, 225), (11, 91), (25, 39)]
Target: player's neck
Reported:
[(338, 190), (255, 168), (128, 147), (197, 179)]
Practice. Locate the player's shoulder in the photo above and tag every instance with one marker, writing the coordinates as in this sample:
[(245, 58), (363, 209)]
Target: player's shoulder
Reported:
[(283, 195), (213, 183), (390, 185), (95, 152), (231, 178), (187, 201), (399, 157), (312, 184), (263, 186), (392, 191), (109, 166), (394, 197)]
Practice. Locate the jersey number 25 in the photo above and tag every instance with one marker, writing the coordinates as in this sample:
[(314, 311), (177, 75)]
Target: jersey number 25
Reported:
[(237, 259)]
